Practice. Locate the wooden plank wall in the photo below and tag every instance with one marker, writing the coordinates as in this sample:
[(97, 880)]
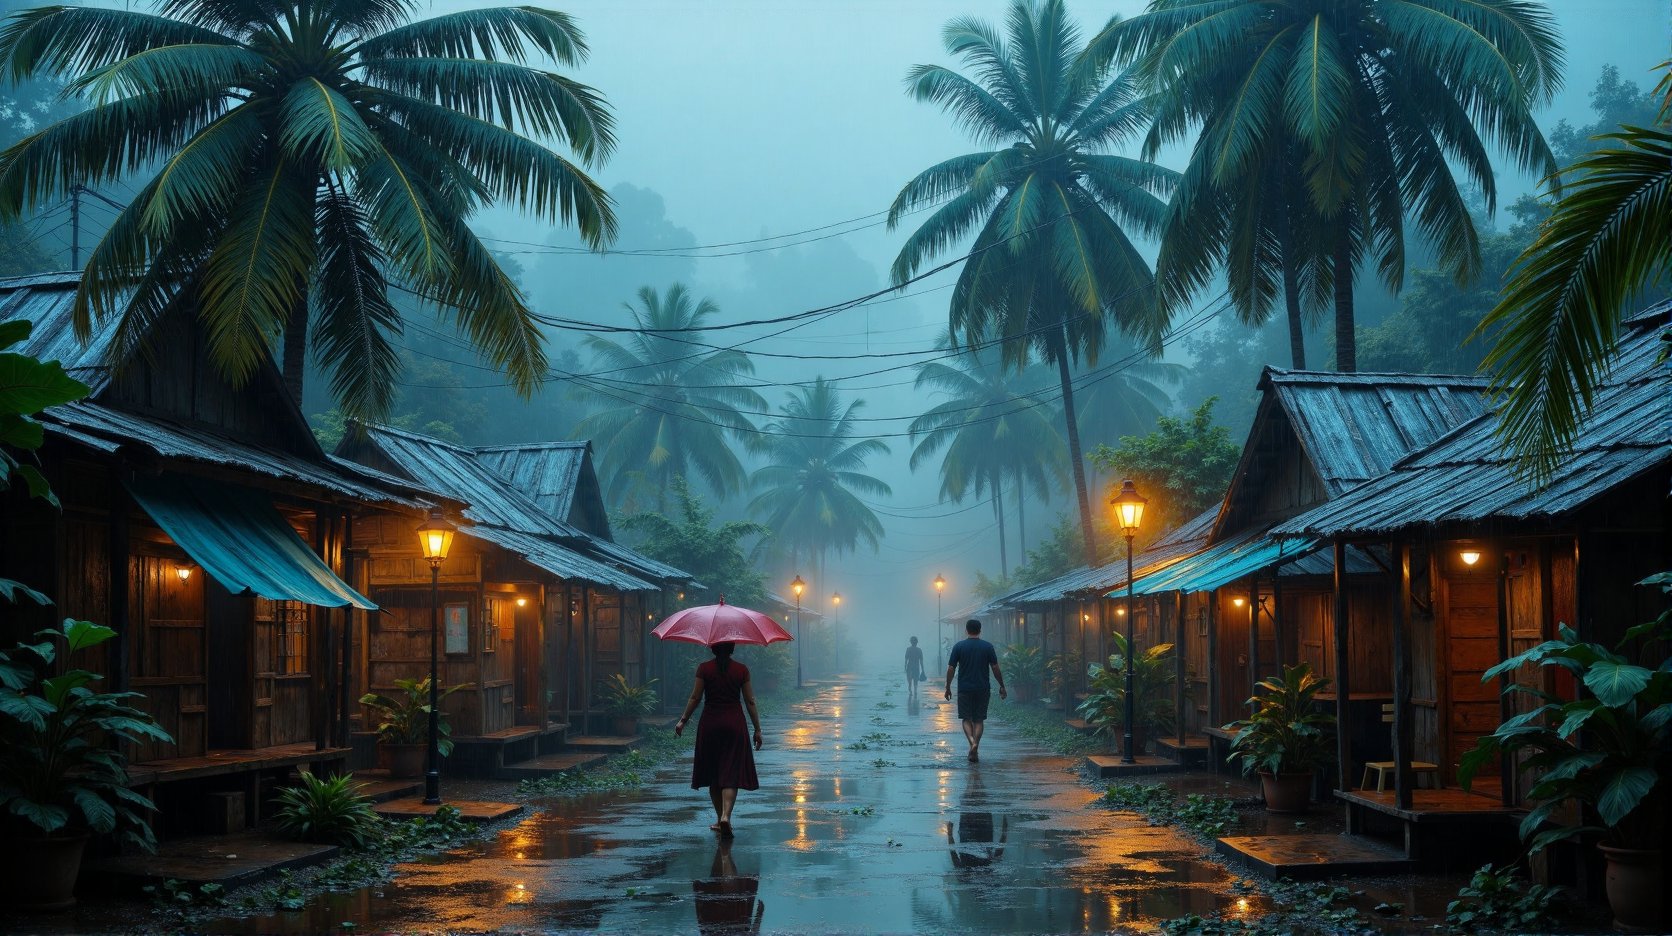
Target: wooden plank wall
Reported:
[(170, 654)]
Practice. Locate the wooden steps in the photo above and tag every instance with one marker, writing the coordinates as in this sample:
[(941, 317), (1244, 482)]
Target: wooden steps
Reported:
[(609, 744), (1313, 856), (1191, 752), (1109, 766), (547, 765), (227, 860), (413, 807)]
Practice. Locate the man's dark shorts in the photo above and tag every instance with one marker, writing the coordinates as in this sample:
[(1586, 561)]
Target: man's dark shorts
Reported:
[(972, 706)]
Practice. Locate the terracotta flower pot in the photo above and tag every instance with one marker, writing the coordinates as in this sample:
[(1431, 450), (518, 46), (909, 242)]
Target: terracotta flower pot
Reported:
[(39, 874), (624, 726), (403, 761), (1635, 888), (1286, 792)]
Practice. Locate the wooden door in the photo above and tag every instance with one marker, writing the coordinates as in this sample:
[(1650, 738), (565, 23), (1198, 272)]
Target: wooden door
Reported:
[(1471, 648), (529, 646), (169, 654)]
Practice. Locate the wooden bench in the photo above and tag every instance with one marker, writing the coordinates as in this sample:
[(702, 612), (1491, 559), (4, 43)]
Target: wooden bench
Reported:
[(253, 765)]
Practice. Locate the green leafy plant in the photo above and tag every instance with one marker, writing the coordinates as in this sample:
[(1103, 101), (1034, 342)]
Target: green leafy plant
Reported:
[(1499, 898), (1153, 676), (175, 893), (330, 811), (59, 774), (405, 718), (622, 699), (1061, 671), (1023, 667), (1206, 816), (1621, 769), (27, 386), (1287, 731)]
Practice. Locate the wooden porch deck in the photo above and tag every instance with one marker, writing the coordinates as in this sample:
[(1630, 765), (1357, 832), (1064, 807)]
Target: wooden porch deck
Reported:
[(232, 761), (1432, 812)]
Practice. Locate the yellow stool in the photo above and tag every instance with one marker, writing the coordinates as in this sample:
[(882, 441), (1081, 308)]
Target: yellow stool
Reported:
[(1419, 769)]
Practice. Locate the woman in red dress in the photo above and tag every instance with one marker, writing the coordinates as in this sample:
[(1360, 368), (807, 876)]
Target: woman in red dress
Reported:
[(723, 763)]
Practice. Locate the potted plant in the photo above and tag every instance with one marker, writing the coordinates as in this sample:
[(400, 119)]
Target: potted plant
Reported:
[(1024, 670), (403, 730), (627, 703), (1622, 769), (1286, 738), (62, 778), (1152, 681)]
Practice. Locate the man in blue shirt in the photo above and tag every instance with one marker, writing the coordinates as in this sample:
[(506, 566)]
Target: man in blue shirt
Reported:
[(971, 658)]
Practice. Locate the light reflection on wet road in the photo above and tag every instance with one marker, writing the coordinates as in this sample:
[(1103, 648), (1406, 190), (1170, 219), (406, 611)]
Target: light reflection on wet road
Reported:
[(868, 820)]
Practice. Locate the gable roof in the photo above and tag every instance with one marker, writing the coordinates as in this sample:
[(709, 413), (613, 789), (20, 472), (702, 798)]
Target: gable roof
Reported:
[(502, 512), (558, 476), (1466, 477), (1349, 427), (45, 299)]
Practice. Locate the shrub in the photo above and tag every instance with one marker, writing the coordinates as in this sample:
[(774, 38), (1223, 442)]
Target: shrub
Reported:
[(1501, 899), (330, 811)]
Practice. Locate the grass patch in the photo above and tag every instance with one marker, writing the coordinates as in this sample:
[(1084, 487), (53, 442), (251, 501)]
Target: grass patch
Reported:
[(1298, 907), (625, 771), (1206, 817), (1044, 727)]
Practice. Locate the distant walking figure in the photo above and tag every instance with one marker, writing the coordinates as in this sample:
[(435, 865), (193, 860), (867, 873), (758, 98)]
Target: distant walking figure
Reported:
[(723, 761), (914, 667), (971, 658)]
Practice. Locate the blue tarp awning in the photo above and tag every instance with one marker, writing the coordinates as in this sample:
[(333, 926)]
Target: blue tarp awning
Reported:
[(1219, 566), (238, 537)]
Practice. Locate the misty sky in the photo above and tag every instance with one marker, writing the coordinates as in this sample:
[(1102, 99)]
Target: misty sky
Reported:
[(761, 118)]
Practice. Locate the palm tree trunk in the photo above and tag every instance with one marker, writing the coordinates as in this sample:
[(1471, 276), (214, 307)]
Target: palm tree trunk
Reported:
[(998, 512), (1291, 301), (1078, 463), (1346, 342), (1021, 517), (296, 349)]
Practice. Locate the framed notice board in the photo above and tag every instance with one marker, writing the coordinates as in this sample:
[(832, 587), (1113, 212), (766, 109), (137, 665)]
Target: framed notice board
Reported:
[(455, 627)]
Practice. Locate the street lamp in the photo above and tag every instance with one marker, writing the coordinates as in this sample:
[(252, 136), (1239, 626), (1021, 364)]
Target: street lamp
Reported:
[(435, 537), (940, 586), (798, 586), (836, 634), (1129, 512)]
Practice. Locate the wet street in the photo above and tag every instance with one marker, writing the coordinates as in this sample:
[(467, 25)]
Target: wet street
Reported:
[(869, 819)]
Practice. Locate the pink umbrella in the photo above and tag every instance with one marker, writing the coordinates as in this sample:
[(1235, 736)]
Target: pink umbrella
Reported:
[(721, 623)]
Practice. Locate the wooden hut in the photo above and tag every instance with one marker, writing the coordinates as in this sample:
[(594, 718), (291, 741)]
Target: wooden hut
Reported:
[(1485, 565), (205, 525), (536, 610)]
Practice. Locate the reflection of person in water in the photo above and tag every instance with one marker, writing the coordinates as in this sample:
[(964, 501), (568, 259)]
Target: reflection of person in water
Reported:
[(973, 845), (726, 901)]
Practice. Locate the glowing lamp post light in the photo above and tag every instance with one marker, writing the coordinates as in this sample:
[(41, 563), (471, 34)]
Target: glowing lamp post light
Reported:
[(798, 586), (940, 586), (1129, 513), (836, 633), (435, 537)]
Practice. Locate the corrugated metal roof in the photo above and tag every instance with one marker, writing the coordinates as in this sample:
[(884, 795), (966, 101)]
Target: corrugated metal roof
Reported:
[(546, 472), (1185, 539), (1466, 478), (1353, 427), (560, 561), (107, 429), (638, 562), (1221, 565), (45, 300), (455, 472)]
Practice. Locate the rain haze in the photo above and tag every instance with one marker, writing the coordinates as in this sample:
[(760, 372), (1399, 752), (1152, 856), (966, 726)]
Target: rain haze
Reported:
[(745, 122)]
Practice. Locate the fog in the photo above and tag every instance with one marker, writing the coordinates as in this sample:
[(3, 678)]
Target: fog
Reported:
[(747, 121)]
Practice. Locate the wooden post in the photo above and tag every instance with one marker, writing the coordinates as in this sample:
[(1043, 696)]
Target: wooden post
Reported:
[(319, 645), (1215, 717), (1506, 774), (586, 659), (1402, 727), (1253, 634), (1178, 667), (569, 622), (345, 558), (1280, 651), (1343, 711), (121, 576)]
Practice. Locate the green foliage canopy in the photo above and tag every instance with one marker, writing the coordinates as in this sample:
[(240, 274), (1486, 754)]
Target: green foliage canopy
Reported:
[(1183, 466)]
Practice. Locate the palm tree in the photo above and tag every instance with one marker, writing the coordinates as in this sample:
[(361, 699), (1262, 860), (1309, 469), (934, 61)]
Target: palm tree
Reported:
[(1125, 402), (810, 489), (667, 412), (1373, 101), (995, 425), (1051, 265), (303, 151), (1559, 318)]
